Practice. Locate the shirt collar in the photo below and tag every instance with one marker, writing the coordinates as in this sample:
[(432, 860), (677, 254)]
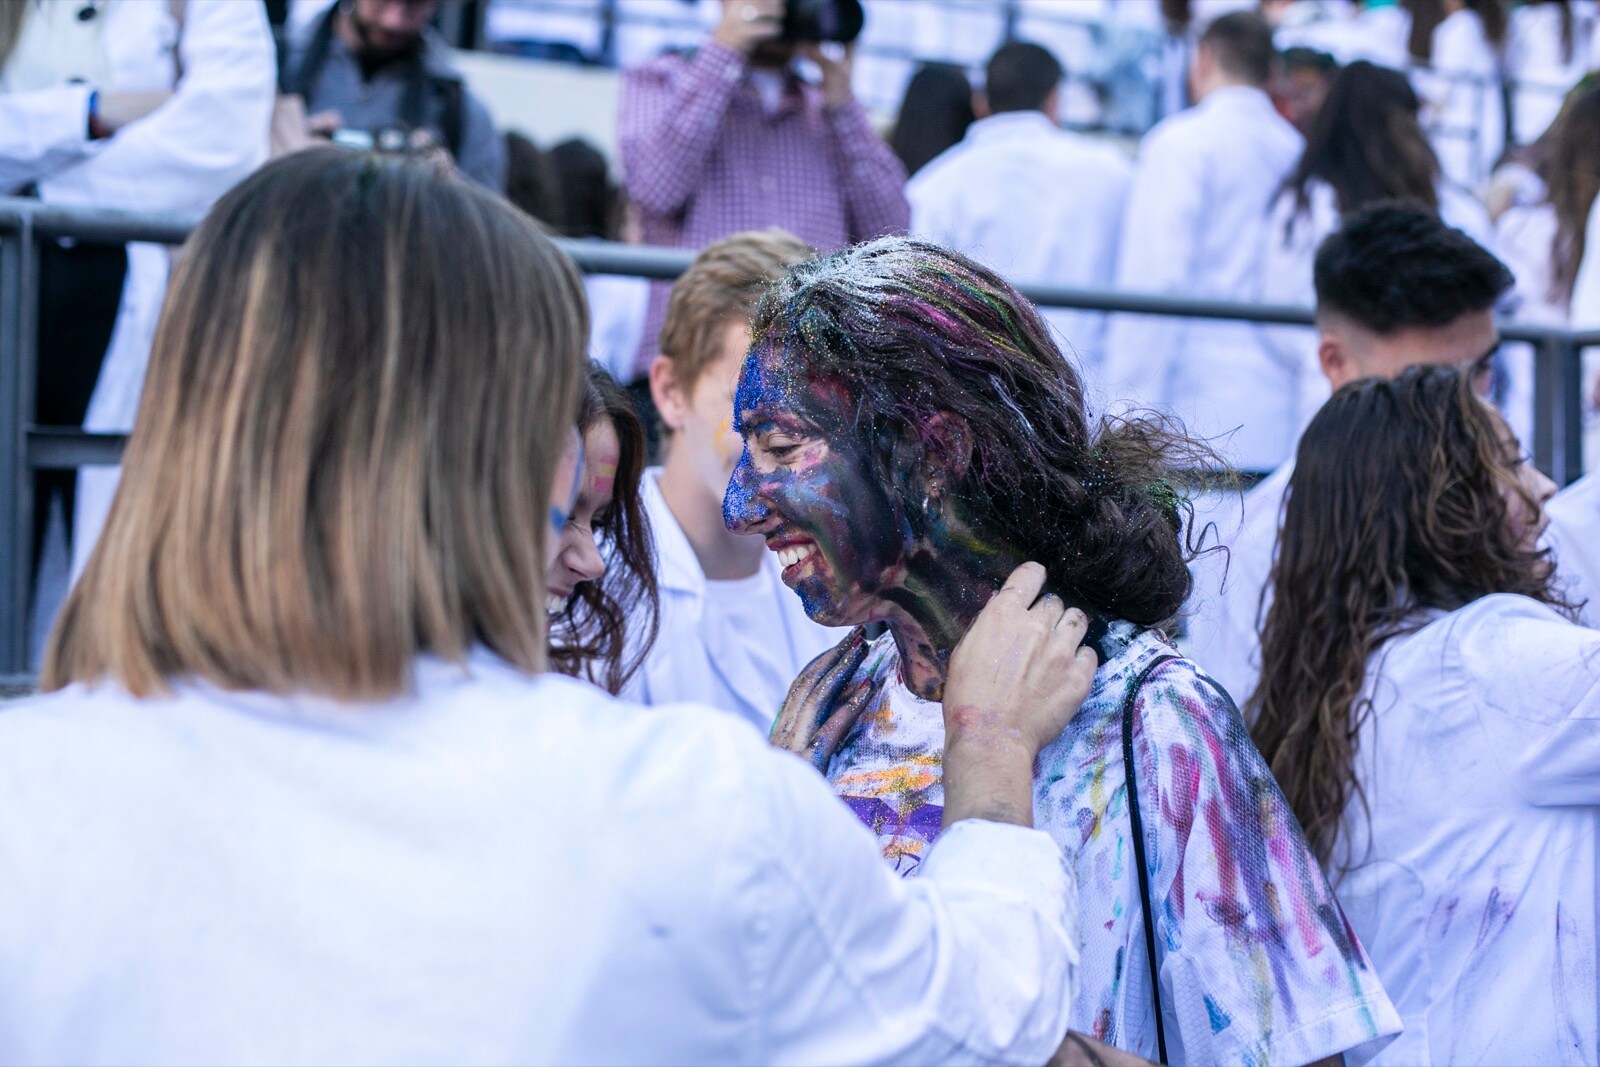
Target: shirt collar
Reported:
[(1010, 126), (1236, 96), (677, 567)]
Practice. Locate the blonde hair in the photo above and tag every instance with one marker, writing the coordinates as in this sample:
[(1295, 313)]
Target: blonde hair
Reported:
[(360, 385), (724, 282)]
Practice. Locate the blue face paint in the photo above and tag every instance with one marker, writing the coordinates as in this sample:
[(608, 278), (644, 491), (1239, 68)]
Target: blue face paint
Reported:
[(802, 482), (559, 517)]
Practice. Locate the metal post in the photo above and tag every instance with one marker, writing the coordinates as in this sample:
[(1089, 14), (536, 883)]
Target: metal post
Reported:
[(1547, 402), (19, 278), (1570, 414)]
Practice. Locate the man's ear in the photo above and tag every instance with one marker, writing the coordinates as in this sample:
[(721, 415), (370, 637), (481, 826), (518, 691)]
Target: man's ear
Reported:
[(1333, 358), (672, 400)]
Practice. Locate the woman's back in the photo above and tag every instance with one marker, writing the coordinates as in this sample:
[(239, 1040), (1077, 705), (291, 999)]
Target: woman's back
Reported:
[(1473, 885), (494, 869), (314, 881)]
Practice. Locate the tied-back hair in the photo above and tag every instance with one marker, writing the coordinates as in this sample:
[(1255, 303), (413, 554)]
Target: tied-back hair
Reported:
[(1571, 172), (909, 330), (1396, 508), (1367, 144), (591, 638), (361, 380)]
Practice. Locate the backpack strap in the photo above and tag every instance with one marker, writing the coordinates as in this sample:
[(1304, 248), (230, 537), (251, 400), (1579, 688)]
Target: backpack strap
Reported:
[(1130, 774)]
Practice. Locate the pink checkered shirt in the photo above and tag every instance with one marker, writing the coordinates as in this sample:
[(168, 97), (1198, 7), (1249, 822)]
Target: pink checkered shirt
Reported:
[(703, 159)]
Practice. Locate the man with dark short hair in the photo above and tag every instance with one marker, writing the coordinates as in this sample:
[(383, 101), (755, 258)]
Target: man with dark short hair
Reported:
[(1194, 226), (375, 71), (1037, 203), (1395, 288)]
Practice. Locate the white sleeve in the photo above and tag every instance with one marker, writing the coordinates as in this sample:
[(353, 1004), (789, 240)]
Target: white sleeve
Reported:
[(1538, 677), (41, 131), (212, 133), (973, 962)]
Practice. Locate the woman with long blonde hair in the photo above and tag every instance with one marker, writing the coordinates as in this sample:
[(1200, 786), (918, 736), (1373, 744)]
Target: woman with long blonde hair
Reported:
[(302, 788)]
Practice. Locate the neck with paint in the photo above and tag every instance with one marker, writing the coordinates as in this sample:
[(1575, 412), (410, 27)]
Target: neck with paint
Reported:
[(949, 576)]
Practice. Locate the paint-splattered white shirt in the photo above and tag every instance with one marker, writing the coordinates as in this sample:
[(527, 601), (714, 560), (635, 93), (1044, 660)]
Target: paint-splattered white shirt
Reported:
[(1258, 965), (1473, 868)]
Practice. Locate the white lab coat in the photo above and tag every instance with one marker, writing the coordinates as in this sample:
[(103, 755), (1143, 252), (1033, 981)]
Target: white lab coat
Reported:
[(1539, 74), (1465, 112), (1193, 227), (1473, 858), (682, 664), (490, 869), (1289, 252), (1036, 203), (180, 158), (1574, 539), (1223, 636)]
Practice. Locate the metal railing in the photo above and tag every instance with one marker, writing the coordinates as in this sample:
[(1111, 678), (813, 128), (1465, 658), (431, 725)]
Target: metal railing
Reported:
[(25, 447)]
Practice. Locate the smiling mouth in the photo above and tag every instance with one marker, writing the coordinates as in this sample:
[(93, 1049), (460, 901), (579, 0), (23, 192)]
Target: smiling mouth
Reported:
[(792, 554), (555, 604)]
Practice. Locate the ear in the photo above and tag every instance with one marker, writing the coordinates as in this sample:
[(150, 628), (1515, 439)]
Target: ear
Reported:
[(980, 104), (1333, 358), (940, 455), (1052, 105), (671, 399)]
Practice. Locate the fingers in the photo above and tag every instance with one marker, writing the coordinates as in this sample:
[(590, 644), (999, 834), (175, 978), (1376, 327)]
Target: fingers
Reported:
[(1050, 610), (1025, 582)]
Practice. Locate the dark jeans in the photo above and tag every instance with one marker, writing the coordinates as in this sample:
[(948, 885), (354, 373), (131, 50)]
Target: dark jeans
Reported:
[(80, 289)]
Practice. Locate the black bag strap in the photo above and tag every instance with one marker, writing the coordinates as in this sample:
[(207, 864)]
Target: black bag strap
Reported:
[(1130, 774)]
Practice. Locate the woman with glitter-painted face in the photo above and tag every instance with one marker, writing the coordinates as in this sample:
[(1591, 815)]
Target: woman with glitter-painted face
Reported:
[(912, 434)]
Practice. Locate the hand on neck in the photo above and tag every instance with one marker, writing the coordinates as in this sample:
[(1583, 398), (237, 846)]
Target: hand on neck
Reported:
[(946, 587), (722, 554)]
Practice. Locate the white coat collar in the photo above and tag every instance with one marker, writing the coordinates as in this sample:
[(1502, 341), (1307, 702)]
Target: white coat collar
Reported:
[(677, 567), (1010, 126), (1240, 97)]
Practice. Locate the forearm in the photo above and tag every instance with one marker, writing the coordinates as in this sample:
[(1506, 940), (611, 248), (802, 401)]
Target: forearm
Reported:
[(988, 769)]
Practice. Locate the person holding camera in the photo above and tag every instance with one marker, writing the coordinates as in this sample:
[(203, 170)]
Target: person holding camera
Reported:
[(733, 138), (374, 75)]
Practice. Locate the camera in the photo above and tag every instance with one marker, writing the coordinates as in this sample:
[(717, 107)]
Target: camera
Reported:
[(814, 21)]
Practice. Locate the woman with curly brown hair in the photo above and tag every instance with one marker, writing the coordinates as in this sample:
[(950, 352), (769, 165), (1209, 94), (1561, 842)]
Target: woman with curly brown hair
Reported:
[(1433, 715), (911, 432), (603, 579)]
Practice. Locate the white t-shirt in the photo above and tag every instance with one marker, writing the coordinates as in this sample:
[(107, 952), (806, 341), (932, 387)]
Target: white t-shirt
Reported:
[(1257, 962), (495, 869), (1474, 881)]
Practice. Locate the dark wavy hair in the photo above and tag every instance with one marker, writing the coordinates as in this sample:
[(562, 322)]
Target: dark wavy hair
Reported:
[(1367, 144), (590, 639), (909, 330), (1395, 507)]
